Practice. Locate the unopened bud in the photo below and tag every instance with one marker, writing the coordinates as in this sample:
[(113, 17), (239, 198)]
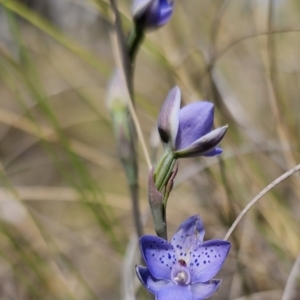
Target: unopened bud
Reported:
[(151, 14)]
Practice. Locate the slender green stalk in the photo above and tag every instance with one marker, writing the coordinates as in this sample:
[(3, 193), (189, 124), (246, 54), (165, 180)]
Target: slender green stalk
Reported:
[(164, 170), (134, 40), (127, 61)]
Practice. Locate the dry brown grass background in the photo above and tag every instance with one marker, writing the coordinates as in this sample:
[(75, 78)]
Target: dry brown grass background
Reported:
[(65, 213)]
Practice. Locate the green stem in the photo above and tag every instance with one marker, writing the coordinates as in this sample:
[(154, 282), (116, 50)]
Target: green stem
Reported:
[(164, 170), (155, 199), (134, 190), (134, 40)]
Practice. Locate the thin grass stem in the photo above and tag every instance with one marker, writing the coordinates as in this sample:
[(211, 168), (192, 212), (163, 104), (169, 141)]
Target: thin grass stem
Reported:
[(291, 284), (260, 195), (118, 60)]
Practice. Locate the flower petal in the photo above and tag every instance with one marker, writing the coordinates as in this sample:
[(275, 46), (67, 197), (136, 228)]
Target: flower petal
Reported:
[(152, 13), (203, 144), (205, 290), (195, 120), (213, 152), (188, 237), (153, 285), (175, 292), (159, 256), (160, 14), (208, 259), (168, 119)]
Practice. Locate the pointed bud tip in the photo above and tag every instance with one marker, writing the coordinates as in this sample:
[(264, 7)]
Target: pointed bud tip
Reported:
[(224, 129), (168, 119), (220, 131), (218, 134), (175, 92), (174, 96), (139, 6)]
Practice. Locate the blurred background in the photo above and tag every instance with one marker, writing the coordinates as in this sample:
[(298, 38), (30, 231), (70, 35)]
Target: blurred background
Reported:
[(65, 211)]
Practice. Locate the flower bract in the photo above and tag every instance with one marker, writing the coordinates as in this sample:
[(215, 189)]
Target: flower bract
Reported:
[(151, 14), (188, 131), (182, 269)]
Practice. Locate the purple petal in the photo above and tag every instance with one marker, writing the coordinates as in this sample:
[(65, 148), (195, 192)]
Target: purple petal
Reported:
[(159, 256), (160, 14), (195, 120), (188, 237), (152, 13), (213, 152), (203, 144), (208, 259), (205, 290), (168, 119), (153, 285), (175, 292)]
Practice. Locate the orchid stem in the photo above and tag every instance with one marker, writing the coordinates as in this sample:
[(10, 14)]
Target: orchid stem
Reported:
[(155, 200), (134, 40), (126, 54), (134, 190), (163, 170)]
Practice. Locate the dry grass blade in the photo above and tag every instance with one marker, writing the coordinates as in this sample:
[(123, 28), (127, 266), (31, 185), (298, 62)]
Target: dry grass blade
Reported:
[(259, 196), (291, 284)]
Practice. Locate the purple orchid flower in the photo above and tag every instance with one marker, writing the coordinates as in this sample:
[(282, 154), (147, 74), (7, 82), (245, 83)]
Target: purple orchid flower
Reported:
[(151, 14), (184, 268), (188, 131)]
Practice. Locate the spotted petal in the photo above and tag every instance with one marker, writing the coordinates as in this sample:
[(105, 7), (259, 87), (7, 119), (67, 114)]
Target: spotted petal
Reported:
[(208, 259), (159, 256), (153, 285), (195, 120), (188, 237), (204, 144), (202, 291), (168, 120), (175, 292)]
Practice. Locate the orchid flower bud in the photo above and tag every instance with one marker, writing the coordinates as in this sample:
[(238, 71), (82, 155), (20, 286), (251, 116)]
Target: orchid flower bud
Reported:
[(151, 14), (188, 131), (185, 132)]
